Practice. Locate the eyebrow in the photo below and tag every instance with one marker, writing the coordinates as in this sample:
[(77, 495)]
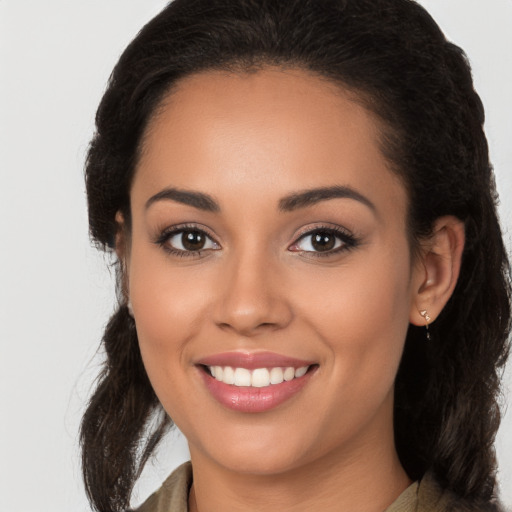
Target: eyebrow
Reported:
[(196, 199), (289, 203), (315, 195)]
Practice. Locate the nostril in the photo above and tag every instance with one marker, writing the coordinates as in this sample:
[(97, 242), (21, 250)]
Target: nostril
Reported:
[(266, 324), (247, 328)]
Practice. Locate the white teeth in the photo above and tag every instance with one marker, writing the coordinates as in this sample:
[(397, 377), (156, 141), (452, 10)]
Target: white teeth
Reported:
[(242, 377), (276, 376), (299, 372), (229, 375), (217, 372), (289, 373), (258, 378)]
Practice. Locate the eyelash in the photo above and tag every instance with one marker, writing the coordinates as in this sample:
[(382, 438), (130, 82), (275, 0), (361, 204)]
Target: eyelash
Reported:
[(169, 233), (347, 239)]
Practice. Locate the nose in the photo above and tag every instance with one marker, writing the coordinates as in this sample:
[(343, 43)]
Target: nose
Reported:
[(253, 298)]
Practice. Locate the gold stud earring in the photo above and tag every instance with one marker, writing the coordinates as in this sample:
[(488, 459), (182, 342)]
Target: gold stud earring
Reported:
[(427, 318)]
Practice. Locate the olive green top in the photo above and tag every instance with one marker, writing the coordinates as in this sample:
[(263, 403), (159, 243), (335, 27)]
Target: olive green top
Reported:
[(424, 496)]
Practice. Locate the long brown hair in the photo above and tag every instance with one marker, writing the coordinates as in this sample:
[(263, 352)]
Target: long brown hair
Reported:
[(396, 58)]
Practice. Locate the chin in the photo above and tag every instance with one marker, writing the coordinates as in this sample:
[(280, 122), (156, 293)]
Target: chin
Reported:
[(260, 464), (258, 450)]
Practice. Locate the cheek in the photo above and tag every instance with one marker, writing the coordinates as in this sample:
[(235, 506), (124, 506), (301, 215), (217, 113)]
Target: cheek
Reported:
[(169, 310), (361, 313), (169, 307)]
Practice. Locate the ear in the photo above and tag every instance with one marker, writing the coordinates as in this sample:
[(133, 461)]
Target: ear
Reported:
[(437, 271)]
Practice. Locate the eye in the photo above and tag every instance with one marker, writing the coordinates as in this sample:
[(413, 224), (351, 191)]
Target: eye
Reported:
[(186, 241), (324, 240)]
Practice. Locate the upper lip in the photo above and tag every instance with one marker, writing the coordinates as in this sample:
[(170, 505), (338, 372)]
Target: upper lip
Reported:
[(253, 360)]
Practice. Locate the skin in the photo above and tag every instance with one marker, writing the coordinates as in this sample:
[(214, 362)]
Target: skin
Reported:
[(248, 140)]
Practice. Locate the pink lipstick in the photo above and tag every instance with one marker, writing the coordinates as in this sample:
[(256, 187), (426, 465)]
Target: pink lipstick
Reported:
[(254, 382)]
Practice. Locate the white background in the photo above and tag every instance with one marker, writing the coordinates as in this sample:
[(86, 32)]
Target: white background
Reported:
[(55, 291)]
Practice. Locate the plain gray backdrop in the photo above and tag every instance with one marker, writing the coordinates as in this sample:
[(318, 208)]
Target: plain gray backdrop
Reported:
[(56, 292)]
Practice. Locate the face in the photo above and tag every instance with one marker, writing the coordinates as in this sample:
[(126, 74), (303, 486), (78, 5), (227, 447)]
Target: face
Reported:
[(269, 270)]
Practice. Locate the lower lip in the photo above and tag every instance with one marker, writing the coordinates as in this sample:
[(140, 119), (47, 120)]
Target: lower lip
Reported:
[(250, 399)]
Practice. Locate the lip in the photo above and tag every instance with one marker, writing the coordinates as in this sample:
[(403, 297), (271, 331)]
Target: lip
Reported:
[(248, 399), (253, 360)]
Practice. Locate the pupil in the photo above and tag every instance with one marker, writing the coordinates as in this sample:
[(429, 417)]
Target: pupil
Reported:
[(192, 240), (323, 241)]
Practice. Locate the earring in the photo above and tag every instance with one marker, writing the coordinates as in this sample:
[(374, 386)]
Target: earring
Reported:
[(426, 316), (130, 309)]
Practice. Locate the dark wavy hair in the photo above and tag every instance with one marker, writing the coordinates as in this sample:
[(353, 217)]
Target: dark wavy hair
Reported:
[(398, 62)]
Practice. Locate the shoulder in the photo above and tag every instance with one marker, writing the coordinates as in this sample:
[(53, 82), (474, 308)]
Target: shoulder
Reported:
[(432, 498), (173, 494), (428, 496)]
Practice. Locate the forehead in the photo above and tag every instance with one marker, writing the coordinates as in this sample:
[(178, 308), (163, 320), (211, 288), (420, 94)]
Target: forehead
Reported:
[(271, 132)]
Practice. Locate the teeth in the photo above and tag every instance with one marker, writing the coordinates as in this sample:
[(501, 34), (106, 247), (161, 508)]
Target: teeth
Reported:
[(242, 377), (258, 378), (299, 372), (276, 376), (289, 374), (229, 375), (218, 372)]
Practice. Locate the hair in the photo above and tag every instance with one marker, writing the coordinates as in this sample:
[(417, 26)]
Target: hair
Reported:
[(396, 59)]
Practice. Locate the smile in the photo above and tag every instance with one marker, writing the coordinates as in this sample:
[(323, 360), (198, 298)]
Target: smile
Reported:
[(256, 382)]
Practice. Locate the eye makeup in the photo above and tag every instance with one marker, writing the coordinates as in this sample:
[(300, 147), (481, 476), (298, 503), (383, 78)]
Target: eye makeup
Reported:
[(324, 241), (193, 240), (186, 240)]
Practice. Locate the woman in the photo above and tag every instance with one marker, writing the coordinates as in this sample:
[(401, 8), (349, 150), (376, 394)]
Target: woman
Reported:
[(313, 283)]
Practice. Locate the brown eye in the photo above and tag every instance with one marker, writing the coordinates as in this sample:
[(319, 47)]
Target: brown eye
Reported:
[(193, 240), (187, 242), (323, 241)]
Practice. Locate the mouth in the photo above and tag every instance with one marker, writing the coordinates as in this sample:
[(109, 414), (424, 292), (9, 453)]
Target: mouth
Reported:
[(254, 382)]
